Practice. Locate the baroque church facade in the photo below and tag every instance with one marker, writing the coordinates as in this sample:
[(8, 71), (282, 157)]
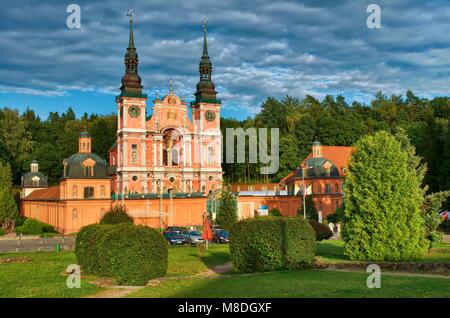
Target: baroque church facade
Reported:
[(166, 151)]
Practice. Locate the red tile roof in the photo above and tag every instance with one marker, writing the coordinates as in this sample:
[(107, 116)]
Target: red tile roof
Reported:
[(51, 193)]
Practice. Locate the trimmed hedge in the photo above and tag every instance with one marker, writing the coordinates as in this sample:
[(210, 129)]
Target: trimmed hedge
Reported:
[(323, 232), (133, 254), (275, 212), (35, 227), (30, 226), (116, 215), (2, 232), (269, 243)]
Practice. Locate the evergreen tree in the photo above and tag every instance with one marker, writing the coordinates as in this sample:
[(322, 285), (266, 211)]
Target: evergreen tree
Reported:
[(8, 207), (383, 200), (227, 215)]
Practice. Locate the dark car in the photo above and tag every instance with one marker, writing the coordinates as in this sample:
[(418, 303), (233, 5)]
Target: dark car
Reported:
[(177, 229), (221, 236), (175, 238), (193, 237)]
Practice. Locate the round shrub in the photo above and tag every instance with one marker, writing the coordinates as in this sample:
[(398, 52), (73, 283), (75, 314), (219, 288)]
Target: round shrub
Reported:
[(268, 243), (130, 253), (323, 232), (275, 212), (116, 215), (85, 250), (30, 226), (2, 232)]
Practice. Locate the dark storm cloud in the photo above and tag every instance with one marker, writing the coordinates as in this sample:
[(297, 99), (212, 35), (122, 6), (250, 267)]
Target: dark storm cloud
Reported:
[(258, 48)]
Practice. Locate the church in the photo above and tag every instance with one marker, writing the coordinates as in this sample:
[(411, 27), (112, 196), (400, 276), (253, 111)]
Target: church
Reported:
[(160, 156)]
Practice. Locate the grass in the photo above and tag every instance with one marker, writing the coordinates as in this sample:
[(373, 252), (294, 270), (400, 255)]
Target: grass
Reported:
[(40, 274), (333, 252), (307, 283), (184, 261)]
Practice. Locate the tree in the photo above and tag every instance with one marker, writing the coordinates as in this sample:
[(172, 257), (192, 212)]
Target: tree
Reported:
[(310, 208), (227, 215), (383, 200), (8, 207)]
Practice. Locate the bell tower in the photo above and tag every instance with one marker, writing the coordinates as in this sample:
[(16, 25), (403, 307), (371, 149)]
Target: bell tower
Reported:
[(206, 118), (131, 122)]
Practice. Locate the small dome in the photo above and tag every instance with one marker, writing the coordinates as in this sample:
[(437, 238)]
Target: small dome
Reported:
[(85, 134), (317, 168), (34, 180), (317, 143), (74, 168)]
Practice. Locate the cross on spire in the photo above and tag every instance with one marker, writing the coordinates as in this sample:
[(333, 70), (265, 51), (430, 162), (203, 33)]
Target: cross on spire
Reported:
[(130, 14), (204, 22)]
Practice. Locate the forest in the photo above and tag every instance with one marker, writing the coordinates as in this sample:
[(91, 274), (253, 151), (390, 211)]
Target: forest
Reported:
[(25, 136)]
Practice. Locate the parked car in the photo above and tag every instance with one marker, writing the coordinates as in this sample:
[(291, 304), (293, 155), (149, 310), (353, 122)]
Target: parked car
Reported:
[(177, 229), (193, 237), (221, 236), (175, 238)]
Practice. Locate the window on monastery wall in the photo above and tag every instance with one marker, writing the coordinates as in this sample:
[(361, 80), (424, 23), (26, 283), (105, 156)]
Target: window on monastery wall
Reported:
[(88, 192), (75, 192), (328, 188), (336, 188), (35, 183), (165, 158), (102, 191), (174, 157)]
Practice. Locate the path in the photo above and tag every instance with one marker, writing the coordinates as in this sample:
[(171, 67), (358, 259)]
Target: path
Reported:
[(411, 274), (114, 291)]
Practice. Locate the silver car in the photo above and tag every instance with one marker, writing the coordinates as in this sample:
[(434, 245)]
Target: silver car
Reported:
[(192, 237)]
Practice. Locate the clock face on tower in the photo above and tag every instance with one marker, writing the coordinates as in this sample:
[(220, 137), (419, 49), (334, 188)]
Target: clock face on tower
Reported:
[(134, 111), (210, 115)]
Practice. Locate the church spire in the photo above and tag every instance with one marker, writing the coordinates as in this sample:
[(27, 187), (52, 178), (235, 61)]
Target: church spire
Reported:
[(205, 88), (131, 81)]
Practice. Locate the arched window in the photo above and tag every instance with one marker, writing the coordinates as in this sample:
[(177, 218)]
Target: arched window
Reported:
[(165, 158), (102, 191), (75, 192), (174, 157), (328, 188), (336, 188)]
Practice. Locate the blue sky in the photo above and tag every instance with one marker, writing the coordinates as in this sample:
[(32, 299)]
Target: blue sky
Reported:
[(258, 49)]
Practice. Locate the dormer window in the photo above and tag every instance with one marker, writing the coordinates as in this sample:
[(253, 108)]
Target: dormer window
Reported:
[(88, 171)]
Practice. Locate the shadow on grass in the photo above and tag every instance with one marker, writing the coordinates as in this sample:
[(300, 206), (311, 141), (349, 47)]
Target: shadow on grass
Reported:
[(332, 250)]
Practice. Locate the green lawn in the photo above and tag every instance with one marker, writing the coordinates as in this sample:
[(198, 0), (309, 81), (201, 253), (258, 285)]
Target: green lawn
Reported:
[(184, 261), (307, 283), (40, 274)]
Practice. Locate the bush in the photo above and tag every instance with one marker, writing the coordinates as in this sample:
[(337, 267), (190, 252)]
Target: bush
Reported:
[(116, 215), (30, 226), (383, 220), (275, 212), (2, 232), (323, 232), (132, 254), (34, 227), (268, 243)]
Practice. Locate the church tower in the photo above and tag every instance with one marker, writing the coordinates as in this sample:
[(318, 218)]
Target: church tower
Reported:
[(131, 122), (206, 118)]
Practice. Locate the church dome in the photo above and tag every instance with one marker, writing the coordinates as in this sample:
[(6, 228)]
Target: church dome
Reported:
[(319, 168), (34, 180), (78, 166)]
